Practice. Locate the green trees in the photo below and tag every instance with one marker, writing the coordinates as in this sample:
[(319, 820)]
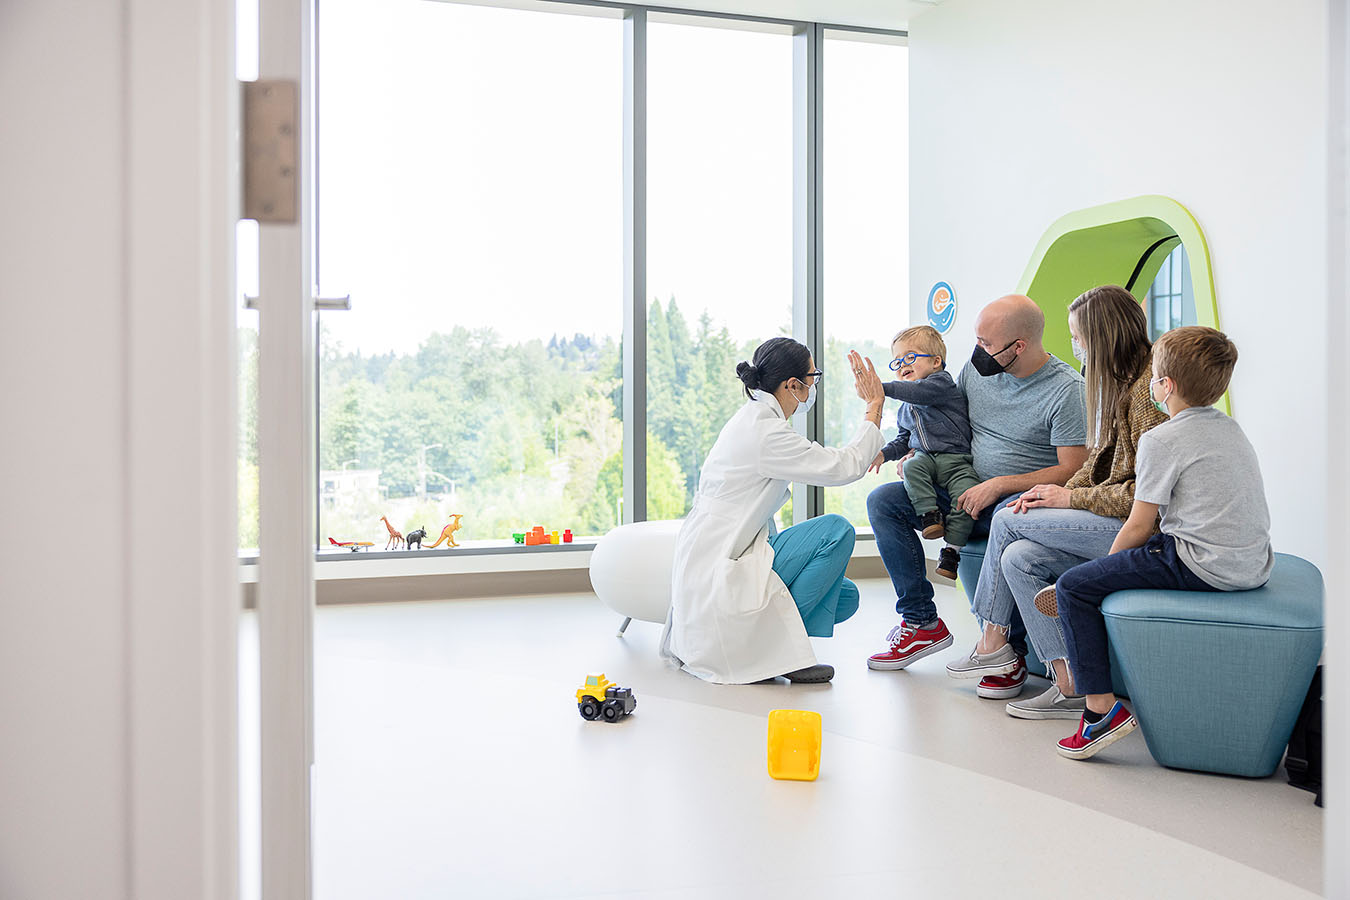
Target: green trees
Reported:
[(508, 434)]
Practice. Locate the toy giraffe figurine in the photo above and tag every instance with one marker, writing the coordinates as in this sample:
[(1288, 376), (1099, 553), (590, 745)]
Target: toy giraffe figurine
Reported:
[(394, 537), (448, 532)]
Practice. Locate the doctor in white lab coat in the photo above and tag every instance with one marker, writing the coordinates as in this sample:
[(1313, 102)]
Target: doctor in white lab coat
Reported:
[(743, 603)]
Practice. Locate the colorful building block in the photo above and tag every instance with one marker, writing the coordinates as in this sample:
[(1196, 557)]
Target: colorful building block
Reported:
[(794, 744)]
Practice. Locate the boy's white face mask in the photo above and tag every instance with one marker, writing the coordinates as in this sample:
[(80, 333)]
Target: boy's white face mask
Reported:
[(1161, 404)]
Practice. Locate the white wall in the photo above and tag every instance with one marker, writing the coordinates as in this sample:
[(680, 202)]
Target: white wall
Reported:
[(118, 612), (1022, 112), (1336, 690), (63, 643)]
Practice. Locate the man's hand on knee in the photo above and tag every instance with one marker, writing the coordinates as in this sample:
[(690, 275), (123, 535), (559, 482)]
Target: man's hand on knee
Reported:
[(973, 501)]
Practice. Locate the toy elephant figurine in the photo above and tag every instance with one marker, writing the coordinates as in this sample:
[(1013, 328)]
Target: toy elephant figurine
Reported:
[(415, 537)]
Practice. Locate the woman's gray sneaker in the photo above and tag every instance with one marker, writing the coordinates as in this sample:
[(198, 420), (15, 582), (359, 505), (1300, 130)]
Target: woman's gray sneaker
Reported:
[(1048, 705), (977, 665)]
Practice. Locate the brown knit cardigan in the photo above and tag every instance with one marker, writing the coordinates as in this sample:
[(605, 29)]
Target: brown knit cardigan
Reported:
[(1105, 483)]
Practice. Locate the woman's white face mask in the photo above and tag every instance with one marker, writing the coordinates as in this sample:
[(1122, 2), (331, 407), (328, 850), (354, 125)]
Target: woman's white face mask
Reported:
[(804, 405)]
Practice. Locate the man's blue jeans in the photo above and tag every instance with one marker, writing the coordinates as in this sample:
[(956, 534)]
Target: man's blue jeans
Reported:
[(895, 525), (1080, 591)]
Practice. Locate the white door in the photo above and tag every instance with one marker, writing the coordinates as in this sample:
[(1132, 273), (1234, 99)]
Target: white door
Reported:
[(285, 435)]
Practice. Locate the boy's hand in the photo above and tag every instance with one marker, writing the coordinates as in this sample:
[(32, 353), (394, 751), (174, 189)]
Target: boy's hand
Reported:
[(877, 463), (1042, 496)]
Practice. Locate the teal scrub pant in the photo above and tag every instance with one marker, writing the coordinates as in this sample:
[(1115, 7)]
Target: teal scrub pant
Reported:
[(811, 557)]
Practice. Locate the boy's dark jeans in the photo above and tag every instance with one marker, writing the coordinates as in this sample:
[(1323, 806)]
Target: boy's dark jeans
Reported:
[(894, 523), (1080, 591)]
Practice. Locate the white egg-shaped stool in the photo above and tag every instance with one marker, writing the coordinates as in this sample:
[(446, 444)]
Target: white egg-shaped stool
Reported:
[(630, 570)]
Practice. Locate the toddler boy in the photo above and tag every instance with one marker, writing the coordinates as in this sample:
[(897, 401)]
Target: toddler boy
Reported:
[(934, 424), (1201, 472)]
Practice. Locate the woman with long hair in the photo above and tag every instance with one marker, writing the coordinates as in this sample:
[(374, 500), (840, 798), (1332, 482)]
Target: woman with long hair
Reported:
[(1051, 528)]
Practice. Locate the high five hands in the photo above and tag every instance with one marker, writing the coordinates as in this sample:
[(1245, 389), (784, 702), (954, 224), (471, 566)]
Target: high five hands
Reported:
[(866, 381)]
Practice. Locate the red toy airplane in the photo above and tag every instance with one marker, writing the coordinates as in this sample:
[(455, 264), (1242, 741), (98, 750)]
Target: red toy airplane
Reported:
[(352, 545)]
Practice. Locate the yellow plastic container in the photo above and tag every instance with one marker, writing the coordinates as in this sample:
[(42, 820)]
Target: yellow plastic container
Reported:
[(794, 744)]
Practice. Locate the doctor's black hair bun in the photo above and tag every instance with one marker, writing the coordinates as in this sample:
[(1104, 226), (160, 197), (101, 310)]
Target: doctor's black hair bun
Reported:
[(748, 375), (776, 360)]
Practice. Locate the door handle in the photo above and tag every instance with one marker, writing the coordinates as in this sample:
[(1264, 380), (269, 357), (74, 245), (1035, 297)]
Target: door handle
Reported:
[(324, 304)]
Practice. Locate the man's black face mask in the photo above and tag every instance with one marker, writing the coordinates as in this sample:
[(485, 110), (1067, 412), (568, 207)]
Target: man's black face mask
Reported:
[(985, 362)]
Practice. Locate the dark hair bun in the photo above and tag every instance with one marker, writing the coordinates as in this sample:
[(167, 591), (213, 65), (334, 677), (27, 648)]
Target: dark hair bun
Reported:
[(748, 375)]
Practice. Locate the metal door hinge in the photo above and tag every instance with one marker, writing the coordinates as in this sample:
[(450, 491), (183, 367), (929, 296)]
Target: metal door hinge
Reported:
[(271, 161)]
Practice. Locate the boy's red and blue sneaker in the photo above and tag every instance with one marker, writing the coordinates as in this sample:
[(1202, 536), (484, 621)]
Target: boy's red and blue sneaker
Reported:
[(1093, 737)]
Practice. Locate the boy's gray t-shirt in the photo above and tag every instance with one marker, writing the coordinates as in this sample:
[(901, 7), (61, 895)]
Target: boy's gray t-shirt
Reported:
[(1016, 423), (1201, 469)]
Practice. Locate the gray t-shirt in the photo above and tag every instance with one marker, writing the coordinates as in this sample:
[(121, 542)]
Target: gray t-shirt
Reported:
[(1016, 423), (1201, 469)]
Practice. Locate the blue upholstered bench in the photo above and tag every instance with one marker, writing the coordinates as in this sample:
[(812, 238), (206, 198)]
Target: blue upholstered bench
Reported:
[(1217, 679)]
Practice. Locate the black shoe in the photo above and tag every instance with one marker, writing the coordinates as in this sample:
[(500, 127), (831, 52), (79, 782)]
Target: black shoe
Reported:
[(931, 526), (948, 560), (817, 674)]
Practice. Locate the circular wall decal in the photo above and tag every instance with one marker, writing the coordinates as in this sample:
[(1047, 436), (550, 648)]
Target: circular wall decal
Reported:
[(942, 307)]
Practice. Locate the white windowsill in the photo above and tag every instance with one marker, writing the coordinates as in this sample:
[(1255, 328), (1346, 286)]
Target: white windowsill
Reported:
[(342, 567)]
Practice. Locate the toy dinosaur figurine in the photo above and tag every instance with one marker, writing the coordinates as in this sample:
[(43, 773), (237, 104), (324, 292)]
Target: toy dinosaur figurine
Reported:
[(448, 533), (415, 537), (394, 537)]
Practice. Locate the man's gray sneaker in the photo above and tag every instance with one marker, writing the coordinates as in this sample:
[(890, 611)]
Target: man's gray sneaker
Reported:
[(977, 665), (1050, 704)]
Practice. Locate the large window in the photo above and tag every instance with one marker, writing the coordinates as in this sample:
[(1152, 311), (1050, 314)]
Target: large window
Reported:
[(471, 202), (1171, 300), (866, 234), (719, 235), (470, 185)]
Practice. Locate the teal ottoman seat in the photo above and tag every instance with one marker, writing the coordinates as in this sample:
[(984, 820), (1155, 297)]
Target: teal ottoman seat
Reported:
[(972, 558), (1217, 679)]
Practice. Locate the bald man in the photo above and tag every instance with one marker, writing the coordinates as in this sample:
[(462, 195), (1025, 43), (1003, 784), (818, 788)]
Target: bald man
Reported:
[(1028, 424)]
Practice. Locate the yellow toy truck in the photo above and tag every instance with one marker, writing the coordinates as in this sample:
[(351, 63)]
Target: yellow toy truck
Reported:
[(600, 698)]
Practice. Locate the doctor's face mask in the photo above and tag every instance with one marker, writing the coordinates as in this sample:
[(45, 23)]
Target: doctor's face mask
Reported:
[(804, 405)]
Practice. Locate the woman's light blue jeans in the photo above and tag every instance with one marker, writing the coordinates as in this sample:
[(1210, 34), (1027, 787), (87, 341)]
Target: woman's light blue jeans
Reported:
[(1029, 551), (811, 557)]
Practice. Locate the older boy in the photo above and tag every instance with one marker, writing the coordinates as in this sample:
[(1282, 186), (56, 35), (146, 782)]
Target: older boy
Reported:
[(1201, 472)]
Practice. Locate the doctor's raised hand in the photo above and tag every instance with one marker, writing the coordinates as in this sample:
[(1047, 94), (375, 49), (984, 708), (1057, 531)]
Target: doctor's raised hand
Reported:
[(867, 383)]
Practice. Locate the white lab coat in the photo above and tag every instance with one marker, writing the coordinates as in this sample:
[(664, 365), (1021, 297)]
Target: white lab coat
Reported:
[(731, 619)]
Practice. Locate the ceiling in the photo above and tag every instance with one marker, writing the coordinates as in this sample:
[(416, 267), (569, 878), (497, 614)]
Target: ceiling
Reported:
[(893, 14)]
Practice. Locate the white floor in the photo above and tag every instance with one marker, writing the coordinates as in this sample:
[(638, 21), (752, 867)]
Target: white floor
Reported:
[(451, 762)]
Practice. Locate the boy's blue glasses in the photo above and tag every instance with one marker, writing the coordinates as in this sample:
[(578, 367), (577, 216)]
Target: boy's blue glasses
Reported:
[(907, 360)]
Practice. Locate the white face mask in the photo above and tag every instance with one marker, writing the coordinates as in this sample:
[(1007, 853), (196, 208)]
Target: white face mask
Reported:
[(804, 405), (1161, 404), (1078, 352)]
